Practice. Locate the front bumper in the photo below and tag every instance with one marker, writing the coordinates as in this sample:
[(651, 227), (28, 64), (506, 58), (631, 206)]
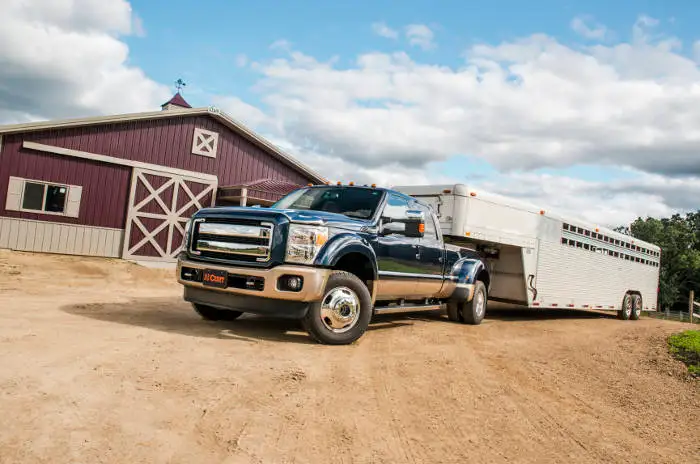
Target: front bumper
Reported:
[(314, 281)]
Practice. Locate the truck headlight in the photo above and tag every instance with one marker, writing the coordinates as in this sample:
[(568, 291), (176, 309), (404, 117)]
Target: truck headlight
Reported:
[(305, 242), (186, 236)]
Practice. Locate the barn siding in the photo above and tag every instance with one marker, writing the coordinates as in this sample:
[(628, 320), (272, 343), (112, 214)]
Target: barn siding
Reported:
[(105, 187)]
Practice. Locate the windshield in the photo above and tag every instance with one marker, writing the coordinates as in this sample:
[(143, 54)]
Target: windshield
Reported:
[(354, 202)]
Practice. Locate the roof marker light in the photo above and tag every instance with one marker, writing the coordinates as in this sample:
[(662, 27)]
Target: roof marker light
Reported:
[(351, 183), (374, 185), (447, 191), (339, 183), (473, 194), (542, 212)]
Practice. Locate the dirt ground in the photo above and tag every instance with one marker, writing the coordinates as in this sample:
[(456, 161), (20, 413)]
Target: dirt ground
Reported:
[(102, 362)]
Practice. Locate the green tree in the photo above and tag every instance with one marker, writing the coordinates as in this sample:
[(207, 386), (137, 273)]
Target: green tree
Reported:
[(679, 240)]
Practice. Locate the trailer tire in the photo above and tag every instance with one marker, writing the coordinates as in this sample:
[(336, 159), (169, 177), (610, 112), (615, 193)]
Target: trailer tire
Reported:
[(625, 311), (636, 307), (347, 304), (472, 311), (211, 313)]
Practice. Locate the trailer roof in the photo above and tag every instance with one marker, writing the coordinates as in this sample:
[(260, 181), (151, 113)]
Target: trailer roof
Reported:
[(465, 190)]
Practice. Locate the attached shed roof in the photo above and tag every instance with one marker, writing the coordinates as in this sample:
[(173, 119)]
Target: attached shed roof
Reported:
[(214, 112), (266, 190)]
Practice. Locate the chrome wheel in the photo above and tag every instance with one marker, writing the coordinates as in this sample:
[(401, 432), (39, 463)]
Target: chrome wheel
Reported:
[(340, 309), (479, 304), (638, 306), (628, 307)]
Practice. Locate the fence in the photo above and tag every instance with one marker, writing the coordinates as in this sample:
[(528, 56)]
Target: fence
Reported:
[(690, 316), (674, 316)]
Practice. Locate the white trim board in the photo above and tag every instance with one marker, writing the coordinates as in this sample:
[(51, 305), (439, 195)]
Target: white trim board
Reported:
[(114, 160)]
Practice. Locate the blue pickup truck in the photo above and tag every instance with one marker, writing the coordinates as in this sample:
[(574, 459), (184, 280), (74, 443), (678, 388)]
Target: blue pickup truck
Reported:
[(331, 256)]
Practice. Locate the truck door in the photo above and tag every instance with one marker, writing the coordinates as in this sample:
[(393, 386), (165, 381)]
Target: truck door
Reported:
[(403, 271), (430, 246), (397, 255)]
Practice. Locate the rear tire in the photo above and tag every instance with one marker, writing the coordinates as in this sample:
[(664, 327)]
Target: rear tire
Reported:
[(469, 312), (343, 314), (626, 311), (210, 313), (636, 307)]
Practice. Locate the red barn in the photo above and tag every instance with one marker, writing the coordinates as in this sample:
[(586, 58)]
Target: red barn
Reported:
[(124, 185)]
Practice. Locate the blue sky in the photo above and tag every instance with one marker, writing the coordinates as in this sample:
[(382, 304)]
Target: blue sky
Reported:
[(590, 106), (200, 41)]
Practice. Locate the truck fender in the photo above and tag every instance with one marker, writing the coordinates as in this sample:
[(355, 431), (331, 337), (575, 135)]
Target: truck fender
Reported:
[(465, 272), (343, 244)]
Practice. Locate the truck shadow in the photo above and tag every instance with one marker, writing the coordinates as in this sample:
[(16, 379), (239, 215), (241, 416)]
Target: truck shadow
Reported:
[(172, 315)]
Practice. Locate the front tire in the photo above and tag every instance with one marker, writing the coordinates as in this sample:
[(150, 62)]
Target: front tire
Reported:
[(211, 313), (469, 312), (626, 311), (343, 314)]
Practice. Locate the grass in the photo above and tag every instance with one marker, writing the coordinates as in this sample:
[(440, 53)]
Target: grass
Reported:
[(686, 347)]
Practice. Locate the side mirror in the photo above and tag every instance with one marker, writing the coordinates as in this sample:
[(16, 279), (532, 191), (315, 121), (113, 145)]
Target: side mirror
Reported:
[(415, 224)]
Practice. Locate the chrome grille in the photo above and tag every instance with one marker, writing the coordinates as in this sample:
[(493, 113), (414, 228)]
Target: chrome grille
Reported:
[(237, 241)]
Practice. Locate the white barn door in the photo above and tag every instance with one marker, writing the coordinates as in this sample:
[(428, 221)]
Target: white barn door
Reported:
[(159, 206)]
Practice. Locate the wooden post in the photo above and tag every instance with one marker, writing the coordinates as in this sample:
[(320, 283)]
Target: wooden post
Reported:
[(691, 306)]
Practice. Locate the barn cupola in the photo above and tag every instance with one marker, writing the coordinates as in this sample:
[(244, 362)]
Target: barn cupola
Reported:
[(177, 102)]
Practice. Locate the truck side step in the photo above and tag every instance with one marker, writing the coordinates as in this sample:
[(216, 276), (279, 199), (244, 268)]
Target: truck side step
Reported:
[(405, 308)]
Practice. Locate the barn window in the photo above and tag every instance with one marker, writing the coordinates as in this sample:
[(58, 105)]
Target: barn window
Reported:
[(43, 197), (205, 142)]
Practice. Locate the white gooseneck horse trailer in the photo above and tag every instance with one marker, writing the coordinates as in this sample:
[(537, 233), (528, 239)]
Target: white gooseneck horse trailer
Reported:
[(544, 260)]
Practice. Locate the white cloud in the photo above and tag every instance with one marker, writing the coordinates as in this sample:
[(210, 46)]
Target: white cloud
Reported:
[(420, 35), (641, 31), (64, 58), (586, 27), (248, 114), (519, 105), (609, 204), (241, 60), (381, 29), (281, 44)]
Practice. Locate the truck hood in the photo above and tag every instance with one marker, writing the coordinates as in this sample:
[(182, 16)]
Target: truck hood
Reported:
[(293, 215)]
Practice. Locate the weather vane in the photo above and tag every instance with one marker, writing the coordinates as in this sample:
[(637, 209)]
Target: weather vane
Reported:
[(179, 84)]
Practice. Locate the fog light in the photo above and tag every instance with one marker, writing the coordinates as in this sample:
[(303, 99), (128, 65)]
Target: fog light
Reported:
[(291, 283)]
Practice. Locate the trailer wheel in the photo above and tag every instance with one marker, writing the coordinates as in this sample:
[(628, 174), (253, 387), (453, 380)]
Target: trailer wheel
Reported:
[(636, 307), (344, 312), (626, 311), (469, 312), (211, 313)]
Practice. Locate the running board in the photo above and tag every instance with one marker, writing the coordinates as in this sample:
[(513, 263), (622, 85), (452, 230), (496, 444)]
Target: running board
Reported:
[(405, 308)]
